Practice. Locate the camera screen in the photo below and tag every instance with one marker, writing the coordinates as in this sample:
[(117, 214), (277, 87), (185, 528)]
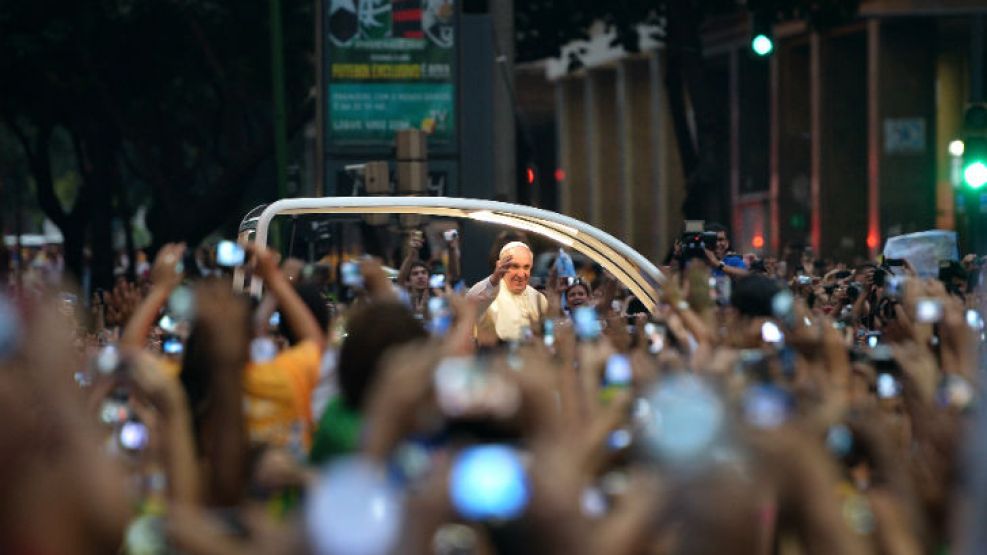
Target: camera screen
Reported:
[(618, 371), (974, 320), (489, 482), (351, 275), (229, 253), (549, 333), (437, 281), (167, 323), (585, 323), (441, 316), (656, 337), (887, 386), (771, 333), (928, 311), (172, 346), (133, 435)]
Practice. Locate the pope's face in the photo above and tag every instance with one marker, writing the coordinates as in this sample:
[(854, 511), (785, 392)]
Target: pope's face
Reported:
[(520, 271)]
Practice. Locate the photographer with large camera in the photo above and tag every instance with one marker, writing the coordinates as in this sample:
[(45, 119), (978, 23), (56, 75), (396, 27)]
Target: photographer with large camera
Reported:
[(723, 261), (712, 245)]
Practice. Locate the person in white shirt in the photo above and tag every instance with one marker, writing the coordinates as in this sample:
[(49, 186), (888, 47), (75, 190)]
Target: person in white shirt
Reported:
[(507, 311)]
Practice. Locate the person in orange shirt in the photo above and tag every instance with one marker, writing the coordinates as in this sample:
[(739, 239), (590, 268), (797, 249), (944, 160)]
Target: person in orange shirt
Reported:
[(278, 404), (236, 402)]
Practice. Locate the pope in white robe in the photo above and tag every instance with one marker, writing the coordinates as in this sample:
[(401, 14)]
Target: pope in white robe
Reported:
[(508, 304)]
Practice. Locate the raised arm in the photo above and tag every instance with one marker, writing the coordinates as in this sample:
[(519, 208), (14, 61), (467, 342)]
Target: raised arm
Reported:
[(415, 243), (262, 314), (165, 277), (454, 271), (293, 309), (486, 290)]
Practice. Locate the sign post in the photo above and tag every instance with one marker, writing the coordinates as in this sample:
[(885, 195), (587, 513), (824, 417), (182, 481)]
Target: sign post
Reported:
[(391, 65)]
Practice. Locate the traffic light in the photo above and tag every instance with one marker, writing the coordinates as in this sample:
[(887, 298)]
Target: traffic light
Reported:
[(975, 147), (762, 35), (975, 163)]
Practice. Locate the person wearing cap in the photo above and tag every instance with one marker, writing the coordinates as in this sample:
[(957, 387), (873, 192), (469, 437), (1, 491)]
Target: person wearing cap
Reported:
[(506, 312)]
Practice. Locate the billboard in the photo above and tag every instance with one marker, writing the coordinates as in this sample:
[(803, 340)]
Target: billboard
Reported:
[(390, 65)]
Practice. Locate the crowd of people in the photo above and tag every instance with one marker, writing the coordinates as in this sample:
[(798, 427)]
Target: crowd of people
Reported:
[(761, 406)]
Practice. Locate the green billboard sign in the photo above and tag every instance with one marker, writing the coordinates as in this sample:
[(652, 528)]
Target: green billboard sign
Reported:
[(391, 65)]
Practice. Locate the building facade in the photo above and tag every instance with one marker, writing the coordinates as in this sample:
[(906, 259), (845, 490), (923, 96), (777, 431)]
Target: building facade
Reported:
[(837, 141)]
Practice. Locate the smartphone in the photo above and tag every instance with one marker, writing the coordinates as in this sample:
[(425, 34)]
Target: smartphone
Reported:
[(894, 287), (619, 439), (894, 261), (880, 276), (585, 323), (928, 311), (167, 323), (450, 235), (112, 411), (489, 482), (974, 320), (275, 320), (656, 337), (873, 339), (133, 435), (888, 386), (108, 360), (771, 333), (766, 405), (172, 346), (804, 280), (229, 254), (437, 281), (839, 440), (441, 315), (548, 331), (618, 372), (263, 349), (458, 382), (350, 274)]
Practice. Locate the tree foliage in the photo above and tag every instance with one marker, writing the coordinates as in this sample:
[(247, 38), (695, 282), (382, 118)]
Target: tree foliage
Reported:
[(168, 100)]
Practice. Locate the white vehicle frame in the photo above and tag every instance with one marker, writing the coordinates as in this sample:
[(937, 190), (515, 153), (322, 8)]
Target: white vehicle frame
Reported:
[(628, 266)]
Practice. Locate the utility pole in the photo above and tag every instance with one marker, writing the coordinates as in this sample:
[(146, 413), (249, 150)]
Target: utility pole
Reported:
[(320, 103), (973, 193), (504, 140), (277, 78)]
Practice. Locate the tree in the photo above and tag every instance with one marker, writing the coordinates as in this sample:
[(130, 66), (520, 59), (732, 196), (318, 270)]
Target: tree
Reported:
[(544, 27), (165, 100)]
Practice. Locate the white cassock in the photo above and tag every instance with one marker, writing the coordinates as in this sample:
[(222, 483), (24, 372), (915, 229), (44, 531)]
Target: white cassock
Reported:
[(505, 313)]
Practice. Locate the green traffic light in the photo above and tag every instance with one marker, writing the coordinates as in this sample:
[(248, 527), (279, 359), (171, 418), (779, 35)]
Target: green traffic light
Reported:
[(975, 174), (762, 45)]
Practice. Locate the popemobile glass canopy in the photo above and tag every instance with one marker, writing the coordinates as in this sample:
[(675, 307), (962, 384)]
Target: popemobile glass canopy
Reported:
[(628, 266)]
